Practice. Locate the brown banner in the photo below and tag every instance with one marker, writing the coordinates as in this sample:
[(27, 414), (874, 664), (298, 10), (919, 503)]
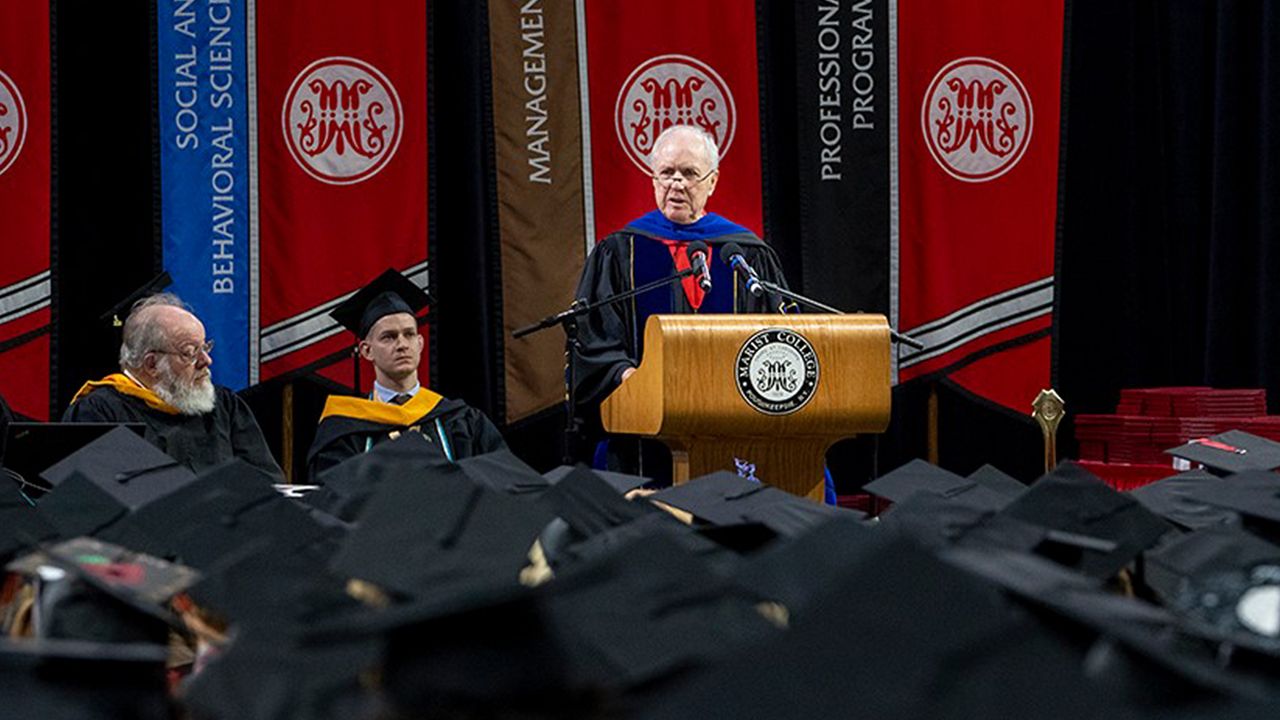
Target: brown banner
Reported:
[(537, 132)]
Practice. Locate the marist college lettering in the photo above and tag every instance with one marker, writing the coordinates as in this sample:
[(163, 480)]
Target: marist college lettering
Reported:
[(777, 371)]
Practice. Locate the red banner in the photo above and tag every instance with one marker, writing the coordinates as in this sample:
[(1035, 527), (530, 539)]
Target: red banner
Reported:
[(342, 150), (978, 96), (25, 205), (646, 73)]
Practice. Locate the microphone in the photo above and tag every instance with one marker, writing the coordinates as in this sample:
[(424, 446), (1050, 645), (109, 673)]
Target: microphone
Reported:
[(698, 256), (731, 254)]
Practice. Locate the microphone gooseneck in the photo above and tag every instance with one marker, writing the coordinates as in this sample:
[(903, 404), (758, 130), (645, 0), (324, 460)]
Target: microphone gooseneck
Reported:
[(698, 259), (732, 256)]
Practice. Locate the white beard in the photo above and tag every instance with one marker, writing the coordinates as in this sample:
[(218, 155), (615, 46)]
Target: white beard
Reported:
[(196, 398)]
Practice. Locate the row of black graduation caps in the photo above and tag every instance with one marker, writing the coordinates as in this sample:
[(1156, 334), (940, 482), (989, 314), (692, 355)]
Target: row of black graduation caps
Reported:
[(411, 586)]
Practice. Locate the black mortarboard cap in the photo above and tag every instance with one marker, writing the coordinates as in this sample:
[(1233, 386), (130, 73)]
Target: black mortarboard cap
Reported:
[(590, 504), (443, 537), (913, 477), (1111, 528), (649, 609), (502, 470), (265, 588), (1254, 495), (919, 476), (1207, 561), (120, 311), (621, 482), (1139, 647), (388, 294), (1173, 499), (935, 520), (142, 582), (21, 525), (993, 478), (793, 572), (916, 657), (347, 486), (35, 446), (224, 510), (78, 506), (265, 675), (968, 519), (1231, 452), (130, 470), (576, 549), (723, 498), (73, 680), (744, 538), (585, 505)]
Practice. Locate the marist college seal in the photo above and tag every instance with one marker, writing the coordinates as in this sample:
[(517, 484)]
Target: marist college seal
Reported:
[(342, 120), (672, 90), (13, 122), (777, 371), (976, 119)]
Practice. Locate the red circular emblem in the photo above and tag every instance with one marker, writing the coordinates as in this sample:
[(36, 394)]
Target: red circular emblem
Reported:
[(672, 90), (342, 120), (976, 119), (13, 122)]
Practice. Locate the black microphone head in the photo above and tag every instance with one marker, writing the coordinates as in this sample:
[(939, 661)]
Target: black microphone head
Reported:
[(728, 250), (697, 246)]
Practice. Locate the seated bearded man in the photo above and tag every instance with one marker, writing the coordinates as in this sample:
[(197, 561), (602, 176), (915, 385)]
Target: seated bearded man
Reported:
[(166, 384)]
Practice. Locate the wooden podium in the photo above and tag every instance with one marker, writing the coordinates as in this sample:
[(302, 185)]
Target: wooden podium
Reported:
[(774, 391)]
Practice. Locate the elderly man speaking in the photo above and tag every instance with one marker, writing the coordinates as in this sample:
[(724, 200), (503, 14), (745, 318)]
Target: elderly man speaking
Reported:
[(685, 165), (165, 383)]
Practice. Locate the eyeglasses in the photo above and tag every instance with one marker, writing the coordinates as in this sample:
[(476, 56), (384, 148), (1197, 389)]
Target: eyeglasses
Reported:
[(690, 176), (190, 353)]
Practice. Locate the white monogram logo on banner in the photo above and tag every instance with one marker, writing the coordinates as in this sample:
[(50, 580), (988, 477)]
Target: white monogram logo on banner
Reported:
[(976, 119), (672, 90), (13, 122), (342, 120)]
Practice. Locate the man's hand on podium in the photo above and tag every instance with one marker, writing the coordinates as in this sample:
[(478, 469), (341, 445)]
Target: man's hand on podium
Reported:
[(626, 374)]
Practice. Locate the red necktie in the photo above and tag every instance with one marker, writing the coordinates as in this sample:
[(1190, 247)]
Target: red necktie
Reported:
[(680, 256)]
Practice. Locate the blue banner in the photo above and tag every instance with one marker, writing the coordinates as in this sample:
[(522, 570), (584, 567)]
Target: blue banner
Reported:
[(202, 58)]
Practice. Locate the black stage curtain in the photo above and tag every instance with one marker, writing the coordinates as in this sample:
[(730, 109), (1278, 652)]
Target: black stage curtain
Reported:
[(1170, 262), (106, 222)]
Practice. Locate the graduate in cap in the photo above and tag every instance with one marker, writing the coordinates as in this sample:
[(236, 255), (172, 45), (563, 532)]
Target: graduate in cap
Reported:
[(165, 383), (383, 316)]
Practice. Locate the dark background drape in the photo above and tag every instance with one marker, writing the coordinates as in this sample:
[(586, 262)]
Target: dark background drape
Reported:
[(1169, 258), (1165, 274)]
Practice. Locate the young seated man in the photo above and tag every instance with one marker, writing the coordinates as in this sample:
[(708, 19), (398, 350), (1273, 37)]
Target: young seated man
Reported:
[(383, 317)]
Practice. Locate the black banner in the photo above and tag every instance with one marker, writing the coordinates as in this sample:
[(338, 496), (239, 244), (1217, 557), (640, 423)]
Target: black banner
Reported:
[(843, 123)]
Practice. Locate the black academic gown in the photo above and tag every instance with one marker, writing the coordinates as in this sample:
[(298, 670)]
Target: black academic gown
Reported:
[(612, 338), (5, 418), (200, 442), (352, 425)]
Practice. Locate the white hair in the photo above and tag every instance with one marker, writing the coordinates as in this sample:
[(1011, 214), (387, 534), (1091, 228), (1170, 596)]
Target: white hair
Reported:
[(708, 143), (142, 333)]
